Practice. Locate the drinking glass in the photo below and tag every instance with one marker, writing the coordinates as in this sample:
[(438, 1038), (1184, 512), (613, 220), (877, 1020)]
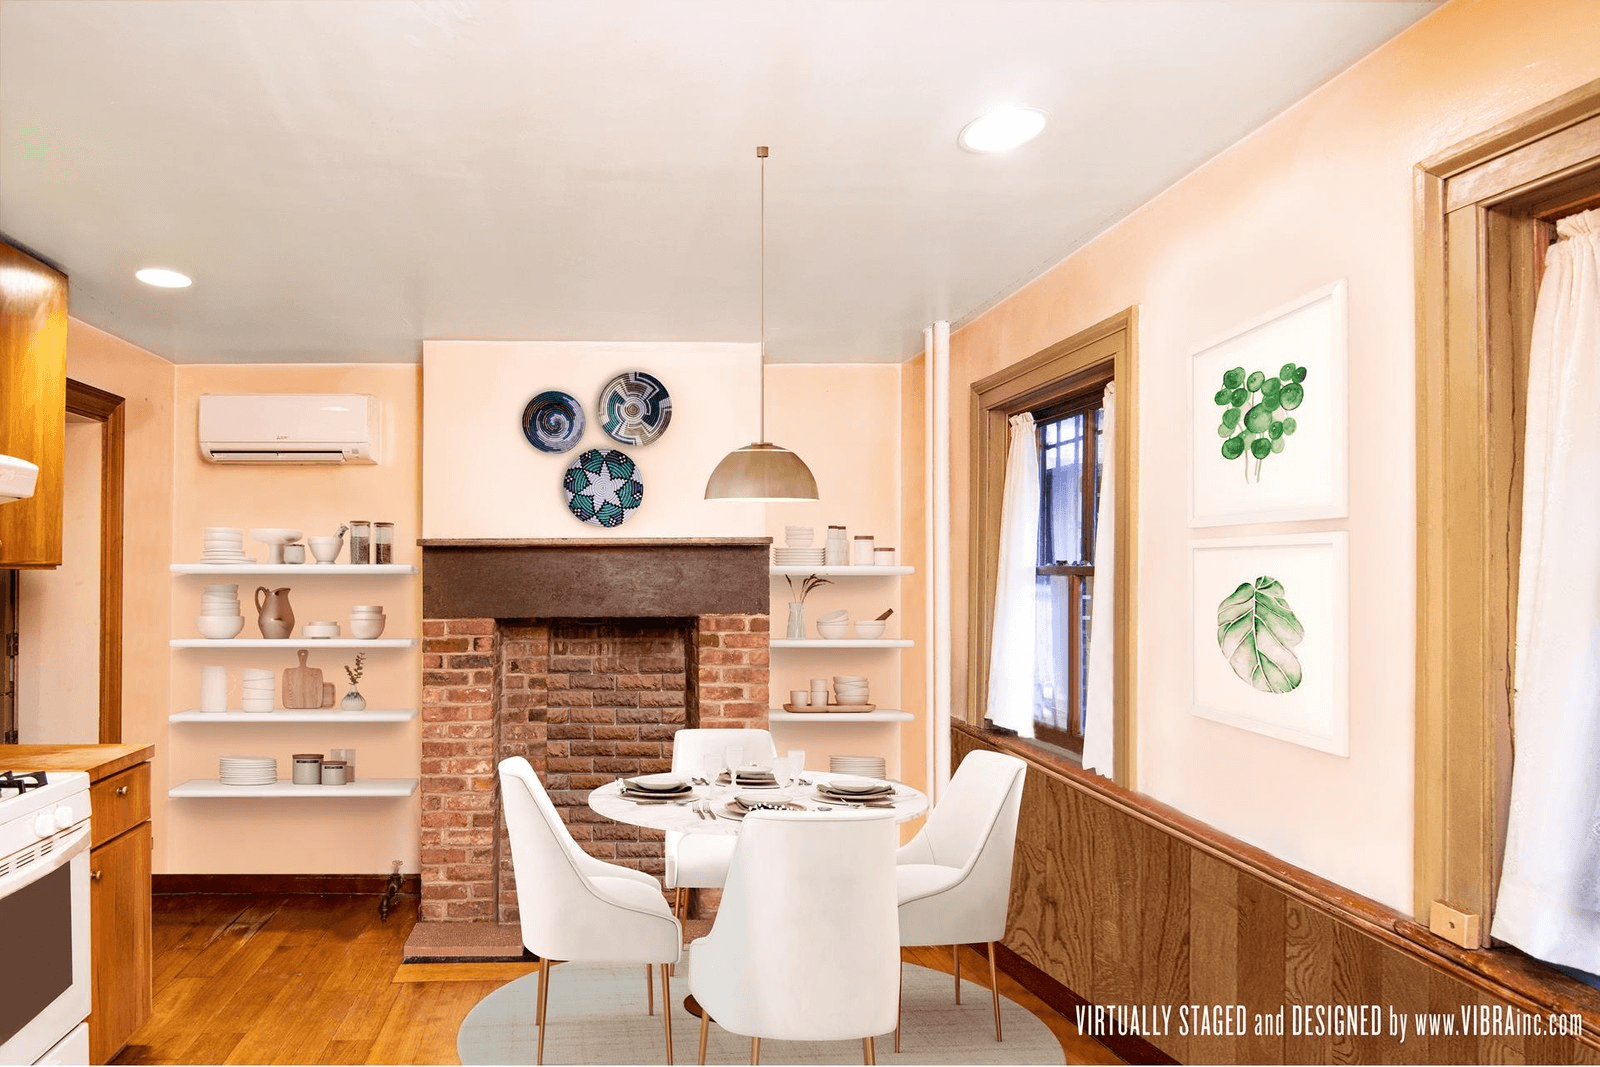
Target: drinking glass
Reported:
[(731, 755), (783, 769), (710, 765)]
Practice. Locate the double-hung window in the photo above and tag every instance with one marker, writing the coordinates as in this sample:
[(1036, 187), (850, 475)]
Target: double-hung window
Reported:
[(1070, 446)]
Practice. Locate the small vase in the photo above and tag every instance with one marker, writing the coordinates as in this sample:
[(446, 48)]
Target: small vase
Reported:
[(353, 700), (797, 621)]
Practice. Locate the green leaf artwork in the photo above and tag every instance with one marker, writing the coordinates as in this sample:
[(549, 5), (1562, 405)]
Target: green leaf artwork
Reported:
[(1257, 631), (1255, 423)]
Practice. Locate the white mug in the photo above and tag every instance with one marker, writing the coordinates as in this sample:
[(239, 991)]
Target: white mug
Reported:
[(213, 689), (800, 698)]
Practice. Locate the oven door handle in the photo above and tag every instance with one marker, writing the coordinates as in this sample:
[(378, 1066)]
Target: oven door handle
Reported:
[(67, 846)]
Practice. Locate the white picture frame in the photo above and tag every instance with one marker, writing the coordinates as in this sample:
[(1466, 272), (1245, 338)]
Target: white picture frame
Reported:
[(1313, 570), (1308, 478)]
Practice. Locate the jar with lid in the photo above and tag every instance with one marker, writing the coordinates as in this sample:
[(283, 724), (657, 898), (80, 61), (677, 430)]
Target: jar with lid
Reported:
[(861, 551), (383, 542), (836, 549), (360, 541), (307, 768), (333, 772), (883, 556)]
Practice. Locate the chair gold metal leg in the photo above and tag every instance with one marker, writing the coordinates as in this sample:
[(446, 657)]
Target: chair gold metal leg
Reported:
[(956, 950), (868, 1053), (899, 1002), (649, 991), (755, 1051), (666, 1008), (705, 1028), (994, 991), (544, 1000)]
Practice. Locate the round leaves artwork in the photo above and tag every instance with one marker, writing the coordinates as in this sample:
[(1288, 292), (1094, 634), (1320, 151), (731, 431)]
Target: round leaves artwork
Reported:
[(603, 487), (635, 408), (552, 421)]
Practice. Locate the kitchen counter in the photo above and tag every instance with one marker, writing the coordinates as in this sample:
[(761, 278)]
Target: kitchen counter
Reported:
[(101, 761)]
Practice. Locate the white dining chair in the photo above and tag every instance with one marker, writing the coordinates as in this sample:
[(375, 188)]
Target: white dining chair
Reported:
[(575, 908), (700, 861), (954, 877), (805, 946)]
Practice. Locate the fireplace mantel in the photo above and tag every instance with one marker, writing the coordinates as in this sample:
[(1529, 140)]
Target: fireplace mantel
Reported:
[(595, 577)]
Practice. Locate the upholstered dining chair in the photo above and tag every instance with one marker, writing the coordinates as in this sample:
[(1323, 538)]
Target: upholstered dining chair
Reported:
[(700, 861), (954, 877), (577, 908), (805, 946)]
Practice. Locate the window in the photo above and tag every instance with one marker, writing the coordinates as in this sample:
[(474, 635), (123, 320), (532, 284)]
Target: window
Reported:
[(1070, 447)]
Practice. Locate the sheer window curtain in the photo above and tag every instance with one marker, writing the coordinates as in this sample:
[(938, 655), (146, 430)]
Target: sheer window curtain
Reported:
[(1011, 646), (1549, 899), (1097, 731)]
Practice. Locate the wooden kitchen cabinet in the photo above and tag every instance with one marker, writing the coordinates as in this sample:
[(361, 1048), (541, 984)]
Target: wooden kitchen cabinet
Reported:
[(33, 403), (121, 965)]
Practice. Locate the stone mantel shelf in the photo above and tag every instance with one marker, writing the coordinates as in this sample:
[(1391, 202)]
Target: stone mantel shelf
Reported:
[(595, 542)]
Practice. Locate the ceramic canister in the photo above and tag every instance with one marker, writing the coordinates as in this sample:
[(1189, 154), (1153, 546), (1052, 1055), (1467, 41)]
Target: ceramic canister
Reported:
[(308, 768)]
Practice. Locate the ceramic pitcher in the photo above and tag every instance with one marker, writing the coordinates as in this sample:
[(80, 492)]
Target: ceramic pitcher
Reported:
[(277, 617)]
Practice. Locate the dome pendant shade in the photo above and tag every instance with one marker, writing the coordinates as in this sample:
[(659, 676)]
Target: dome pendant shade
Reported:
[(761, 473)]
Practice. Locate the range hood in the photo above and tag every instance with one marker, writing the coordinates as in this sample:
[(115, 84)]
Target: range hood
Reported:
[(17, 479)]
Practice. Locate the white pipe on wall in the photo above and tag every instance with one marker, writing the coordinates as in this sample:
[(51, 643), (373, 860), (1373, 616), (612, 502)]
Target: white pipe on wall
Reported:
[(939, 719)]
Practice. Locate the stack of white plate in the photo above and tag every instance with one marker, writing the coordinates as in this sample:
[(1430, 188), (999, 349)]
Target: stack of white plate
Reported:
[(260, 689), (865, 766), (797, 557), (224, 544), (247, 770)]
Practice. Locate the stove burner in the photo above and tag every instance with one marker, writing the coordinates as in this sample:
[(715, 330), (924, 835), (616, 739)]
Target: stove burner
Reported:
[(13, 784)]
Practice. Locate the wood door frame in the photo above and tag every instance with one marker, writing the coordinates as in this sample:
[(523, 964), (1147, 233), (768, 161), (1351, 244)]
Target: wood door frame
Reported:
[(1484, 212), (1106, 351), (108, 409)]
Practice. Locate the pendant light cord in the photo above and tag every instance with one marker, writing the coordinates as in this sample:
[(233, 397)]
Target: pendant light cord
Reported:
[(761, 154)]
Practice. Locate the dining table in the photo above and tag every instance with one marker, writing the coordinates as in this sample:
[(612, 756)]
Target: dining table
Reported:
[(708, 812)]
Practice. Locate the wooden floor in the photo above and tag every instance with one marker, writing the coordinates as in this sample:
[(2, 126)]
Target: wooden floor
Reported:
[(319, 979)]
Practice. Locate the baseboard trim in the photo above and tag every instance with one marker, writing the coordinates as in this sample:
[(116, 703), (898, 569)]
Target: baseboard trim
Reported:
[(290, 884), (1129, 1048)]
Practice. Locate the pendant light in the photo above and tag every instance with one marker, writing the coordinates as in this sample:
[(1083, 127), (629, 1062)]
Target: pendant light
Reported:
[(762, 472)]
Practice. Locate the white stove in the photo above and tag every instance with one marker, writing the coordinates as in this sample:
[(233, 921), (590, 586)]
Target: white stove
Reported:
[(44, 913)]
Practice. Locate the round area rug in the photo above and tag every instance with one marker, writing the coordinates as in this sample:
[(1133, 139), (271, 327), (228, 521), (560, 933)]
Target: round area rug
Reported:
[(597, 1015)]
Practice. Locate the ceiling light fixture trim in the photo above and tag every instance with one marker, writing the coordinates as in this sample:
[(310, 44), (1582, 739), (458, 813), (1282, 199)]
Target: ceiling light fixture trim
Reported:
[(762, 472), (162, 278), (1001, 129)]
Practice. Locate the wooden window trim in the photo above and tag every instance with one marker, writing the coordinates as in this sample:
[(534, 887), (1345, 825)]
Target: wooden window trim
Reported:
[(1483, 219), (1102, 353)]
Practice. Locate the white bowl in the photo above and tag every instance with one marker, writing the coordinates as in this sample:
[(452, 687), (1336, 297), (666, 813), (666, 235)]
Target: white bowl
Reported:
[(366, 627), (320, 629), (325, 549), (858, 698), (870, 630), (223, 610), (832, 631), (849, 677), (367, 609), (260, 683), (219, 627)]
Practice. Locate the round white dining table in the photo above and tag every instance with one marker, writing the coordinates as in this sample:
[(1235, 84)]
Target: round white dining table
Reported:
[(607, 800)]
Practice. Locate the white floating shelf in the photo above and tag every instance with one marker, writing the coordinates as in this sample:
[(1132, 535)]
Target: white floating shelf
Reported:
[(283, 790), (836, 718), (293, 642), (841, 572), (323, 570), (853, 642), (354, 718)]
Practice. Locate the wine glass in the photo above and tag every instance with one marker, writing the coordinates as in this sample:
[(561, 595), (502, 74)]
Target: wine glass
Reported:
[(731, 755), (783, 770), (798, 755)]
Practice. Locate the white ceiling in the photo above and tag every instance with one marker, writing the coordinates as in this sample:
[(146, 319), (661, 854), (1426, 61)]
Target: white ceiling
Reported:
[(344, 178)]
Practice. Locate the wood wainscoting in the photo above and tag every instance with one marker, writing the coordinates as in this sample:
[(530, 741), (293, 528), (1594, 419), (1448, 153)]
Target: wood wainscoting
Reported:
[(1119, 901)]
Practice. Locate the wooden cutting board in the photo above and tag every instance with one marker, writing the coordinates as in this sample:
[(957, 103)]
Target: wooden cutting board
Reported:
[(302, 685)]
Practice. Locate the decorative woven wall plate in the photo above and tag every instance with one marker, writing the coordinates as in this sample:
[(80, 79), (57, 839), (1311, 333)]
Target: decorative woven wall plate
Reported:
[(552, 421), (603, 487), (635, 408)]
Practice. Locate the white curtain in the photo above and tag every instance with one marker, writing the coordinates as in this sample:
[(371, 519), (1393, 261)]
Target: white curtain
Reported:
[(1549, 902), (1011, 651), (1097, 733)]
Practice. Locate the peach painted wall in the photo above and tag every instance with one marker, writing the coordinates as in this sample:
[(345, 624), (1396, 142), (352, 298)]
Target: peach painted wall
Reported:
[(58, 684), (1321, 193), (844, 420), (482, 479), (343, 836)]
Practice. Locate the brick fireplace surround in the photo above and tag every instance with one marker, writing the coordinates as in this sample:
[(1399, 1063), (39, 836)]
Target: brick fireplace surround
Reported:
[(584, 657)]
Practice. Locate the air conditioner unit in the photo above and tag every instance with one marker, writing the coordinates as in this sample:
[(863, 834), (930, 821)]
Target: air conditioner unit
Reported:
[(289, 428)]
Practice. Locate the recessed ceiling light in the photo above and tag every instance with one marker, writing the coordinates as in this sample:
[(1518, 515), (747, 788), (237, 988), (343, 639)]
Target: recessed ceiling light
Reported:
[(1001, 128), (162, 278)]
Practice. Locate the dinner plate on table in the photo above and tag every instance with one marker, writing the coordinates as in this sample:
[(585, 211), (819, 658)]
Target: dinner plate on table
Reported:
[(858, 787)]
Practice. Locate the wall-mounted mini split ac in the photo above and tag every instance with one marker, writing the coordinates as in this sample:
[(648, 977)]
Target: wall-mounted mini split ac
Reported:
[(289, 428)]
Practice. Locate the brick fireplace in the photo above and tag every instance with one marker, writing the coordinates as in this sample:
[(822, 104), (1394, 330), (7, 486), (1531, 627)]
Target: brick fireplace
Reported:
[(584, 657)]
